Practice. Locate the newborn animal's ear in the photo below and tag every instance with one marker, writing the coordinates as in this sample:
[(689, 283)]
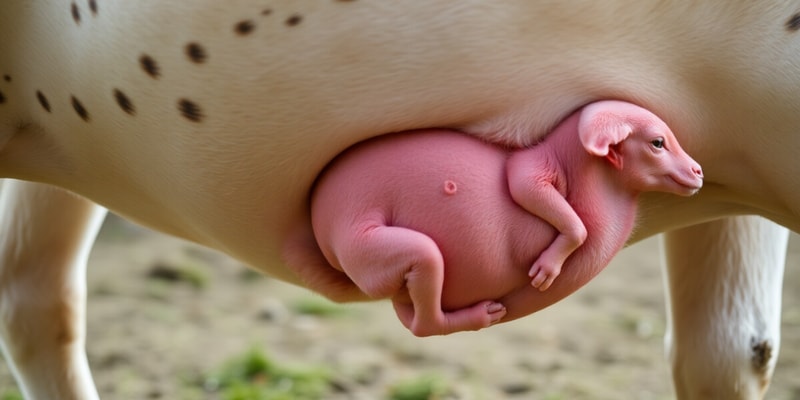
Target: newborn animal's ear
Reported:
[(600, 128)]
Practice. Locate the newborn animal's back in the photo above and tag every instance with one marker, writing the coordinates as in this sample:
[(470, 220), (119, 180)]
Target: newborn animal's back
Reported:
[(446, 185)]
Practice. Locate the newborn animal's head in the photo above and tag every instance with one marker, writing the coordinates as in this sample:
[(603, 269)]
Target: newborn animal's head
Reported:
[(641, 146)]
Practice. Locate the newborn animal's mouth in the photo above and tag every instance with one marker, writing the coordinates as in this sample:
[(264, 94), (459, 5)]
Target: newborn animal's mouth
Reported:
[(689, 187)]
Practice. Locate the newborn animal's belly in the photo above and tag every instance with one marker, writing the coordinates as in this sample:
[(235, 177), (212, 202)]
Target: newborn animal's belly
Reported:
[(444, 184), (489, 268), (487, 241)]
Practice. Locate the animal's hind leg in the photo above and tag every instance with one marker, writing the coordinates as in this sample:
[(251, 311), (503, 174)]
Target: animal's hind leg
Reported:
[(725, 282), (45, 237), (385, 260)]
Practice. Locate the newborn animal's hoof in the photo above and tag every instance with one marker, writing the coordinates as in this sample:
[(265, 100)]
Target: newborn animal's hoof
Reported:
[(496, 312)]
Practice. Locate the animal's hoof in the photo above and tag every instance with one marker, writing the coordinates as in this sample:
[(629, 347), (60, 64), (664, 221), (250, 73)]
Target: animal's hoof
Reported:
[(496, 312)]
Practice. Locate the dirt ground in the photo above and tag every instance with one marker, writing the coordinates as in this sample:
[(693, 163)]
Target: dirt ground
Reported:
[(155, 333)]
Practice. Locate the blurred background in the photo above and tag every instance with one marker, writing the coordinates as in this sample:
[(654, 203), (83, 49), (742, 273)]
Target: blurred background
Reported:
[(170, 320)]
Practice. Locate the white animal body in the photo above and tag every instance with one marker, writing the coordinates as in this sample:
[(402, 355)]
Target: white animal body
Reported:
[(210, 120)]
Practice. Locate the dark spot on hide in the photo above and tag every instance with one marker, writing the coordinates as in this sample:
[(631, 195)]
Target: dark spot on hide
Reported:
[(196, 53), (793, 24), (149, 66), (762, 354), (294, 20), (76, 13), (190, 110), (43, 101), (80, 109), (244, 28), (124, 102)]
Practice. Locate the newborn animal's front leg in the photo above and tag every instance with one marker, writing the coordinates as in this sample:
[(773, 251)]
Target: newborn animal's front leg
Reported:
[(385, 261), (535, 187), (572, 234)]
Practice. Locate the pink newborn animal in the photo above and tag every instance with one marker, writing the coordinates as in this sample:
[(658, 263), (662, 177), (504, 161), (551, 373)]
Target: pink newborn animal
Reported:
[(440, 222)]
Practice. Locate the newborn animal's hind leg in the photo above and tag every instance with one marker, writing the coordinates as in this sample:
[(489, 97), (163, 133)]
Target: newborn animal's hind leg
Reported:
[(385, 260)]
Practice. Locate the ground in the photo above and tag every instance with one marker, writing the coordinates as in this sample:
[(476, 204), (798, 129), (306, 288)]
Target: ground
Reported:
[(165, 317)]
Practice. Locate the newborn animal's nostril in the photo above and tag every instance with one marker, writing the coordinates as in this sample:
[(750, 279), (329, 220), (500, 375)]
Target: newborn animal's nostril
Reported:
[(697, 171)]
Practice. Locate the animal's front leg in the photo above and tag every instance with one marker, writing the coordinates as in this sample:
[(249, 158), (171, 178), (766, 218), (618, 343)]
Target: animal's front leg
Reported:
[(537, 189), (45, 237), (724, 311)]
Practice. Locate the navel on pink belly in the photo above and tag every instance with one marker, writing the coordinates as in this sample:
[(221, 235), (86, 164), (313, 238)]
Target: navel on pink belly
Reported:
[(450, 187)]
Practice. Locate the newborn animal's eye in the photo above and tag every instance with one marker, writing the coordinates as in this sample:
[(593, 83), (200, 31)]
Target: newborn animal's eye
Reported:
[(658, 143)]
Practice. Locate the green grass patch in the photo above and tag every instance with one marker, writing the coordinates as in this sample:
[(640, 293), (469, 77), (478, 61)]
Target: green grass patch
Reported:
[(250, 275), (422, 388), (11, 394), (255, 376)]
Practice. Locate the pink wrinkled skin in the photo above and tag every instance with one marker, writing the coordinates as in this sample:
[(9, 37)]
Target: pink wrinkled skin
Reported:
[(462, 234)]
